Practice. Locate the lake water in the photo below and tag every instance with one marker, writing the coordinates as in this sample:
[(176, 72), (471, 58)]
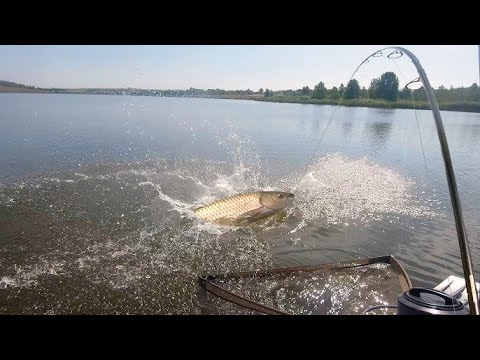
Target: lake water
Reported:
[(97, 193)]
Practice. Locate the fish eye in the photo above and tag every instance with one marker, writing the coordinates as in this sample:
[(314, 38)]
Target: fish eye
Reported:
[(280, 196)]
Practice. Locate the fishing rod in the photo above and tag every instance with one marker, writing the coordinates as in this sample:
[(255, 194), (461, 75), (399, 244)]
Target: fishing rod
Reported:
[(452, 184), (447, 160)]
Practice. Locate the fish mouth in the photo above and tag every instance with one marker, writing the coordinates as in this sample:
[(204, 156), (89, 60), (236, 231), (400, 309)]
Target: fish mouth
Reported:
[(289, 199)]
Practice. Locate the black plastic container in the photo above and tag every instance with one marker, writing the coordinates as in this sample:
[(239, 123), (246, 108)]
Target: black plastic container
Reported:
[(422, 301)]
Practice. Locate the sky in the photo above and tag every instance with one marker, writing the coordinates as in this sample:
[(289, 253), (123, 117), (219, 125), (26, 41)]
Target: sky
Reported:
[(277, 67)]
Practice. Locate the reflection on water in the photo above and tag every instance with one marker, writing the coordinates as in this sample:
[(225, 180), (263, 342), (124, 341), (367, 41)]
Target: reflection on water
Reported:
[(97, 195), (347, 129), (378, 131), (378, 134)]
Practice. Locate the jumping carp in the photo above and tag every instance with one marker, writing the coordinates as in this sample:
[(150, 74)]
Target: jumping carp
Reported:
[(244, 209)]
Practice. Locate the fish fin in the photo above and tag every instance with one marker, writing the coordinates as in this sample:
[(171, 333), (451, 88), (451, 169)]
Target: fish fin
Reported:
[(253, 215), (226, 221), (243, 219), (246, 218)]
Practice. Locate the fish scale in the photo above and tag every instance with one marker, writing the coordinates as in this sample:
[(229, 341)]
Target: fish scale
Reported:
[(231, 207)]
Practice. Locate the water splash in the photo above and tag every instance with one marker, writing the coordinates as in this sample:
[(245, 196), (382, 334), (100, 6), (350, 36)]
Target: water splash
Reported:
[(127, 231), (341, 190)]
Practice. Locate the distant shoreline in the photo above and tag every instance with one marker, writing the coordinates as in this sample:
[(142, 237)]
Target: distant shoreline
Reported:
[(360, 102)]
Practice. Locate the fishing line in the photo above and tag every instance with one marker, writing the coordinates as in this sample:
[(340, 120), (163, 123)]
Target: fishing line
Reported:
[(324, 131), (414, 108), (376, 54), (393, 55)]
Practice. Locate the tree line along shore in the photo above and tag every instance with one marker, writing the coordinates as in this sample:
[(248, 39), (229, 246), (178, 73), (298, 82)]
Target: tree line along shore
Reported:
[(383, 92)]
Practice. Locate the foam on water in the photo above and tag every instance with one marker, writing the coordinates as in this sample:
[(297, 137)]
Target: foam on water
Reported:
[(341, 190), (28, 275)]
